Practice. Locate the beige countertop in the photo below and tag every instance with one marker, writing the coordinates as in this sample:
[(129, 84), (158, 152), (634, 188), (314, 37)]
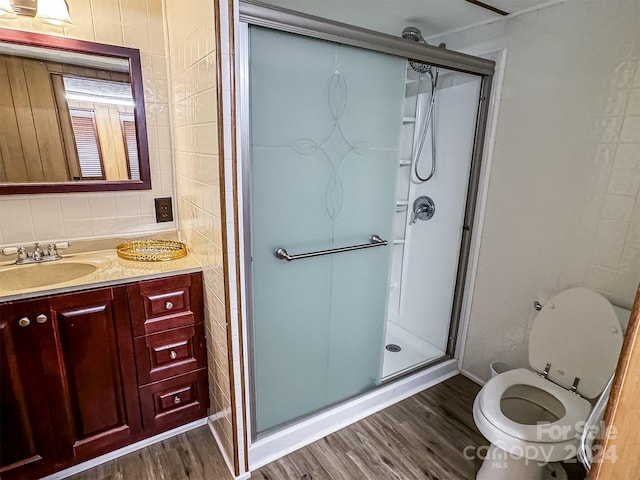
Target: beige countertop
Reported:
[(110, 270)]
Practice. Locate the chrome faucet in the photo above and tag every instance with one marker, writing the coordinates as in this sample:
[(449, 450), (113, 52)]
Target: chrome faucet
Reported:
[(38, 255)]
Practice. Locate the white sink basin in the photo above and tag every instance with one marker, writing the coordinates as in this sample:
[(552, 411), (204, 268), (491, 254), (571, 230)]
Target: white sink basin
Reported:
[(36, 275)]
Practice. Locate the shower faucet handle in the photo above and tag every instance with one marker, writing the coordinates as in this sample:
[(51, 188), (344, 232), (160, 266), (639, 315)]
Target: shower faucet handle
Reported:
[(418, 211), (423, 209)]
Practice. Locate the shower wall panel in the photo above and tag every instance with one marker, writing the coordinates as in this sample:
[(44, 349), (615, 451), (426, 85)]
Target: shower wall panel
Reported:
[(426, 282)]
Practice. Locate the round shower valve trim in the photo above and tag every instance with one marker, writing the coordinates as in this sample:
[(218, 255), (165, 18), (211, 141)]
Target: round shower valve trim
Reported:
[(424, 208)]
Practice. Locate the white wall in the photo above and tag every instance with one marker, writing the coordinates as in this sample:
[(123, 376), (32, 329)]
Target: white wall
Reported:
[(68, 216), (563, 207)]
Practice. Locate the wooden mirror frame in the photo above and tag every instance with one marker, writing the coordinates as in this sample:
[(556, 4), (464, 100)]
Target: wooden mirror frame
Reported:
[(132, 55)]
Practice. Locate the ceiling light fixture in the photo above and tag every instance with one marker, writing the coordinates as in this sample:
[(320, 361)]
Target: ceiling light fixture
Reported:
[(55, 12), (6, 10)]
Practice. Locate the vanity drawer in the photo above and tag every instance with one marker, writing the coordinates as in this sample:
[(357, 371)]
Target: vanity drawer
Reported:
[(176, 401), (153, 325), (173, 352), (158, 305)]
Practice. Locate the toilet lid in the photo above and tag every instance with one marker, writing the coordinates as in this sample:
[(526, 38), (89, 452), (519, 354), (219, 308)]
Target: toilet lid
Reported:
[(578, 333)]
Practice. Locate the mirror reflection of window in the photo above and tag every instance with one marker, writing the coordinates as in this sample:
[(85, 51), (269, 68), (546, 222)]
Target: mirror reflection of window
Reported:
[(109, 102), (128, 124), (86, 139), (64, 123)]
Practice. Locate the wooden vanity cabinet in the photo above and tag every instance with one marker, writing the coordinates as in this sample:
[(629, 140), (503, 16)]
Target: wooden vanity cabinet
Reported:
[(68, 378), (76, 382), (171, 354), (98, 372), (29, 390)]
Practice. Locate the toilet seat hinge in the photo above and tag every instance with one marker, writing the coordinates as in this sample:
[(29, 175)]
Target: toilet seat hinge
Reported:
[(574, 387), (545, 374)]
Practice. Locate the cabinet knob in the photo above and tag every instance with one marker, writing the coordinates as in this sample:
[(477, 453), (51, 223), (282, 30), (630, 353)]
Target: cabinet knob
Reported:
[(42, 318), (173, 355), (168, 305), (176, 400), (24, 322)]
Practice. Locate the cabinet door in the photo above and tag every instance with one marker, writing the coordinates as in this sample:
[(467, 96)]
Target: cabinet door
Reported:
[(29, 381), (96, 350)]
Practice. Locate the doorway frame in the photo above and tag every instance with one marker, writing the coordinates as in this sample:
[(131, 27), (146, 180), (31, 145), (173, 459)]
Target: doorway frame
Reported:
[(618, 449)]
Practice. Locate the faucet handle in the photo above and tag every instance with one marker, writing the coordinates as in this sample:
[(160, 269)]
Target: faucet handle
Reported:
[(22, 253), (52, 250), (37, 252), (423, 209)]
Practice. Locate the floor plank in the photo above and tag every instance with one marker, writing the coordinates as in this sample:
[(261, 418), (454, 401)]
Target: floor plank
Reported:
[(192, 455), (421, 438)]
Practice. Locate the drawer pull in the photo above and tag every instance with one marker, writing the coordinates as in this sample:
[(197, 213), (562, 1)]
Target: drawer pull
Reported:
[(42, 318), (176, 400), (24, 322), (168, 305), (173, 355)]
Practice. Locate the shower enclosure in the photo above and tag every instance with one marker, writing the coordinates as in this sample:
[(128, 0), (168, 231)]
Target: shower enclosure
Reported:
[(433, 179), (343, 254)]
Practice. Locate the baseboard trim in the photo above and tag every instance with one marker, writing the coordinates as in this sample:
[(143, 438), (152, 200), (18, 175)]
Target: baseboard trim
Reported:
[(472, 377), (283, 442), (227, 460), (107, 457)]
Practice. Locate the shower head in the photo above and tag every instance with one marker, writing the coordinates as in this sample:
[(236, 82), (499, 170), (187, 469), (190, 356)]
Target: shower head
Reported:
[(413, 33)]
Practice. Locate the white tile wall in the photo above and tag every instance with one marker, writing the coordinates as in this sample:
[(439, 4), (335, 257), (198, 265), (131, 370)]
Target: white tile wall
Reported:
[(30, 218), (563, 205), (192, 56)]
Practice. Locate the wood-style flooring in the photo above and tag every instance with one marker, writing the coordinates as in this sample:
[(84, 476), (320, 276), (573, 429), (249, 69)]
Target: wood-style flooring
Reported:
[(191, 455), (423, 437)]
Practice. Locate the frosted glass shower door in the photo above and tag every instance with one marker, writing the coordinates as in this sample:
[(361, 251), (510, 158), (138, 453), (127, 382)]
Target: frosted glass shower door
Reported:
[(325, 125)]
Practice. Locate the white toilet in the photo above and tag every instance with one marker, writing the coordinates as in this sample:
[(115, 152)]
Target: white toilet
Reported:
[(535, 417)]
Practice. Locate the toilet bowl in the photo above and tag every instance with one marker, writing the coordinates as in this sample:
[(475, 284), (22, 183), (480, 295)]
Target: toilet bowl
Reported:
[(535, 417)]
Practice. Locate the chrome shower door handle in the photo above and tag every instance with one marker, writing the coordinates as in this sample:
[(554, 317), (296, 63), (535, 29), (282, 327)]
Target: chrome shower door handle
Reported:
[(376, 241)]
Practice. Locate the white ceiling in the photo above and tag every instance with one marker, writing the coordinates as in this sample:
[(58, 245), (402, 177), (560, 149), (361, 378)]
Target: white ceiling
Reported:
[(391, 16)]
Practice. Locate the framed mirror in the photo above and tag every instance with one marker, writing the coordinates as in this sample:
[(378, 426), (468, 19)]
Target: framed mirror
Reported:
[(72, 116)]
